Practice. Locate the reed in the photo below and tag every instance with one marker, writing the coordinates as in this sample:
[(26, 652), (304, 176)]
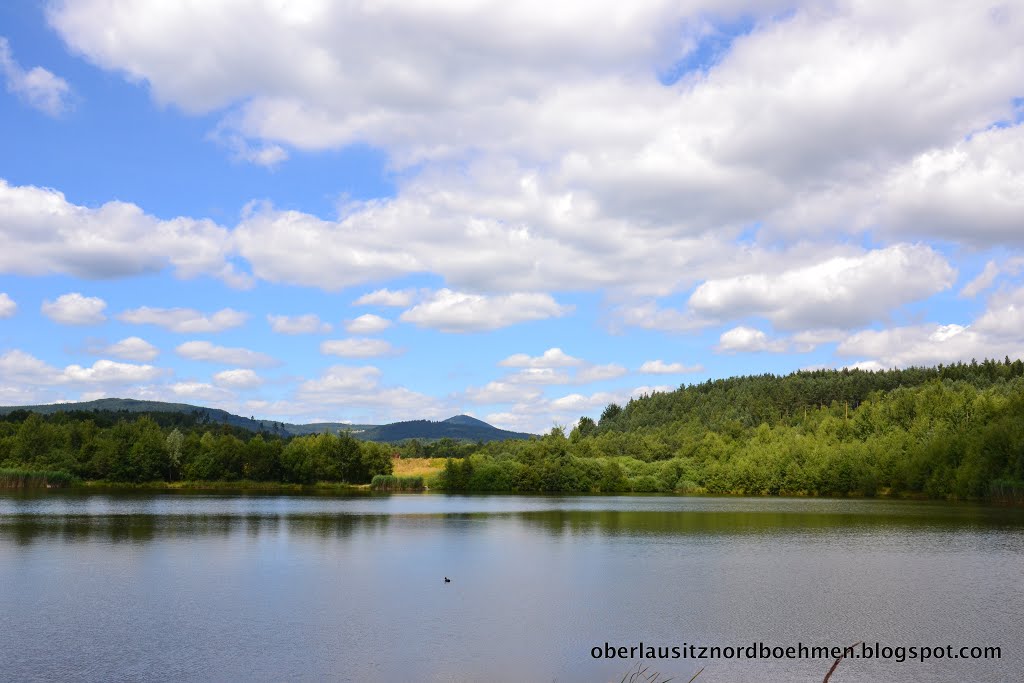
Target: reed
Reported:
[(1007, 491), (389, 482), (28, 479)]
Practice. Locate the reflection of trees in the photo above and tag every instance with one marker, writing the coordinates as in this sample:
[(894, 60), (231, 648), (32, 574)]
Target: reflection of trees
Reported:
[(721, 523), (27, 529)]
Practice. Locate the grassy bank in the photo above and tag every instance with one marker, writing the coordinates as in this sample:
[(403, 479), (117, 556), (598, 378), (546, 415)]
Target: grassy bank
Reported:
[(29, 479), (227, 486), (388, 482)]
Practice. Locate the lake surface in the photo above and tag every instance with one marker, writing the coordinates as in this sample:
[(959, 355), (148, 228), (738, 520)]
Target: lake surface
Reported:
[(181, 587)]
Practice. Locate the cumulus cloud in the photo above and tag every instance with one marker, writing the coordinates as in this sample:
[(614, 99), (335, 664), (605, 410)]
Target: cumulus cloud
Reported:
[(43, 233), (19, 366), (650, 316), (971, 191), (111, 372), (660, 367), (239, 378), (75, 309), (539, 415), (7, 306), (387, 297), (538, 376), (506, 193), (309, 323), (132, 348), (747, 339), (552, 358), (359, 393), (839, 292), (450, 311), (996, 333), (185, 320), (357, 347), (199, 391), (37, 87), (502, 392), (368, 323), (599, 373), (206, 351)]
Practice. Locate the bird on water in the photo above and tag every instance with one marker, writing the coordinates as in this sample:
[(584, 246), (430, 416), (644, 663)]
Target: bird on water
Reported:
[(447, 580)]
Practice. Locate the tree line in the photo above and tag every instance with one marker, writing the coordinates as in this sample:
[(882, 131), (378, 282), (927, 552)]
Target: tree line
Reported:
[(953, 431), (138, 449), (946, 432)]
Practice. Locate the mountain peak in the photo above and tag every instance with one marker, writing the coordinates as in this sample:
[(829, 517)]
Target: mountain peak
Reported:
[(466, 420)]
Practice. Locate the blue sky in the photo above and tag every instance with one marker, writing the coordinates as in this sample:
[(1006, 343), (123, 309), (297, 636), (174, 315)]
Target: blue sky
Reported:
[(308, 211)]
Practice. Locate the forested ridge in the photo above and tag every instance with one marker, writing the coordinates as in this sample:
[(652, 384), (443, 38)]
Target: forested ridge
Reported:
[(953, 431), (128, 447)]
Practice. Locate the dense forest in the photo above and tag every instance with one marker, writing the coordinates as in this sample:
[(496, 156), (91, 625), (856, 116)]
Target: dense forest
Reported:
[(117, 447), (945, 432)]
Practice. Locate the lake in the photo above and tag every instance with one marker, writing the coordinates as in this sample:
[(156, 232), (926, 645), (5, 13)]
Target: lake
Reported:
[(189, 587)]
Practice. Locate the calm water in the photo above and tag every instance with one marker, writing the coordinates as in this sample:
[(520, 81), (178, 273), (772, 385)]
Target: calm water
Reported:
[(273, 588)]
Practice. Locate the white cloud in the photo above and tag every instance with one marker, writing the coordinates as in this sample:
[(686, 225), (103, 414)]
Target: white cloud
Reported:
[(748, 339), (356, 347), (18, 366), (309, 323), (387, 297), (552, 358), (839, 292), (450, 311), (650, 316), (185, 320), (75, 309), (358, 392), (368, 323), (538, 376), (111, 372), (240, 378), (997, 332), (206, 351), (971, 191), (24, 368), (981, 282), (43, 233), (660, 367), (199, 391), (132, 348), (502, 392), (38, 87), (915, 345), (267, 155), (7, 306), (1004, 316), (505, 192), (599, 373), (808, 340)]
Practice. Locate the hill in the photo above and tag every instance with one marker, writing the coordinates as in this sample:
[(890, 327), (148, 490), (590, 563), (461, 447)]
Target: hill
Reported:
[(459, 428)]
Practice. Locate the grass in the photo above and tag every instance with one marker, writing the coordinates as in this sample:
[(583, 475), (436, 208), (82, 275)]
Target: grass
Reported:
[(25, 479), (389, 482), (418, 467), (240, 485)]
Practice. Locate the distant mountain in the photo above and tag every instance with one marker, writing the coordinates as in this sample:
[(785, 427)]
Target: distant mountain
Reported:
[(460, 427)]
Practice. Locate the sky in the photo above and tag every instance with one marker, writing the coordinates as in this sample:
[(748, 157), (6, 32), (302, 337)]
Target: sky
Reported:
[(366, 212)]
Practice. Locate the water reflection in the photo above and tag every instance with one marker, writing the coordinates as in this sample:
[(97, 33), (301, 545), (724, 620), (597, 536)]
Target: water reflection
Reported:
[(135, 518), (27, 529)]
